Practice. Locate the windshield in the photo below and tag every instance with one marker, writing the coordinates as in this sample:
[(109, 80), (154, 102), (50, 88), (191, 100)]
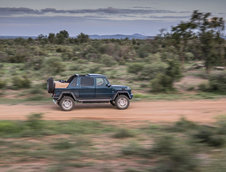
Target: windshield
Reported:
[(71, 78)]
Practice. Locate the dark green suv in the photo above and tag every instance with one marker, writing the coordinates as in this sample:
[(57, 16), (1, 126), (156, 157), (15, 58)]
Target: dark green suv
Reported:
[(90, 88)]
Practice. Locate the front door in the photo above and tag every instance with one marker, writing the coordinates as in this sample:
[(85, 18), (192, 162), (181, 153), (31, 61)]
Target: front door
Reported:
[(102, 90)]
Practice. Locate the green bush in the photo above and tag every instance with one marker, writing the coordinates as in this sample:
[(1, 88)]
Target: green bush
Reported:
[(35, 122), (217, 82), (150, 71), (134, 149), (54, 65), (62, 144), (203, 87), (108, 60), (34, 62), (174, 155), (183, 125), (21, 82), (221, 124), (123, 133), (97, 68), (164, 81), (134, 68), (18, 58), (161, 83), (36, 90), (209, 136), (8, 127), (2, 84)]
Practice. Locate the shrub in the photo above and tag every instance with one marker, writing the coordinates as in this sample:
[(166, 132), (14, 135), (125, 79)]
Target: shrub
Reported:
[(221, 124), (183, 125), (135, 67), (18, 58), (174, 155), (108, 60), (123, 133), (209, 136), (36, 90), (35, 122), (61, 49), (161, 83), (164, 81), (151, 70), (62, 144), (203, 87), (21, 82), (2, 84), (217, 82), (97, 68), (134, 149), (34, 62), (67, 56), (54, 65), (8, 127)]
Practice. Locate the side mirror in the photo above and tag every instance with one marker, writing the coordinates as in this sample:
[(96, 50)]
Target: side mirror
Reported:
[(108, 85)]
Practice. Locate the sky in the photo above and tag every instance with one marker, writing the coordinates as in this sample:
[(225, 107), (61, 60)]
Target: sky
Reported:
[(103, 17)]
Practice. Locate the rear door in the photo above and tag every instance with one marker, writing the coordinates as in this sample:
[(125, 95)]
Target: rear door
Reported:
[(87, 88), (102, 90)]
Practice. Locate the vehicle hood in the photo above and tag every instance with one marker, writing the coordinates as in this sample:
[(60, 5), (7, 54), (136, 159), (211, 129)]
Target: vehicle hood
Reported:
[(120, 87)]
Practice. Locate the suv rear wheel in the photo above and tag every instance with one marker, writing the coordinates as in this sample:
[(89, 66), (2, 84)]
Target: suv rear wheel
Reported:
[(67, 103), (122, 102)]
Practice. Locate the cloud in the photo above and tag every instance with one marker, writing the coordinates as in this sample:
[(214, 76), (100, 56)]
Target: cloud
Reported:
[(112, 14), (109, 10)]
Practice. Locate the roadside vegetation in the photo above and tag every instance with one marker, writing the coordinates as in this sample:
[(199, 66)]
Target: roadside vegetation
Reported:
[(186, 62), (40, 145)]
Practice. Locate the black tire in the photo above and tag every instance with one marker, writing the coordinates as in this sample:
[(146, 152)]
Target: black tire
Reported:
[(50, 85), (113, 103), (67, 103), (122, 102)]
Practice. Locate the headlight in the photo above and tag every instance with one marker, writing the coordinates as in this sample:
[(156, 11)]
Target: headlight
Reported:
[(128, 88)]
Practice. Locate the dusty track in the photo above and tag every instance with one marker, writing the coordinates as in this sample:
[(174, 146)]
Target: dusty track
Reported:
[(158, 111)]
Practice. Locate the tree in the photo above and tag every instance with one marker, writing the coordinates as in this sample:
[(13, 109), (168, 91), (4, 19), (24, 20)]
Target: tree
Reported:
[(51, 37), (42, 39), (181, 34), (82, 38), (208, 30), (62, 36)]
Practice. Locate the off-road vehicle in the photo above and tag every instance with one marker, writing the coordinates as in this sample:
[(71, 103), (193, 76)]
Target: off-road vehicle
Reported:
[(90, 88)]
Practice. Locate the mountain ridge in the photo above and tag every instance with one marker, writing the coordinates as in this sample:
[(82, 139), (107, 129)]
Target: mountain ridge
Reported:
[(92, 36)]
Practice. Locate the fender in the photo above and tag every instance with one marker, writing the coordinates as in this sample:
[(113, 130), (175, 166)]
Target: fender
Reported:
[(121, 92), (65, 92)]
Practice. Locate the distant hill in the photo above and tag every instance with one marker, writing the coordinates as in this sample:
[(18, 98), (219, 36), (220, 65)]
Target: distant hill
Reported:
[(14, 37), (120, 36), (116, 36)]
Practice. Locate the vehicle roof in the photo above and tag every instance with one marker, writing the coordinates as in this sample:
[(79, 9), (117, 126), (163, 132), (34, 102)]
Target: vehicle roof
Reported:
[(92, 75)]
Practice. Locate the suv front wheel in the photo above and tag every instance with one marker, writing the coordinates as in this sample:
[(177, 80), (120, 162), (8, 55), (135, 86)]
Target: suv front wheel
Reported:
[(122, 102), (67, 103)]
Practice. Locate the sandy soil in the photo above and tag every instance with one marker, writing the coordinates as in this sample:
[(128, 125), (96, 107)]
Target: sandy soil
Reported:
[(159, 111)]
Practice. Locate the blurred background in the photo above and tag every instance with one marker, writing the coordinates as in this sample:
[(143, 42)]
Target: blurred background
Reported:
[(164, 50)]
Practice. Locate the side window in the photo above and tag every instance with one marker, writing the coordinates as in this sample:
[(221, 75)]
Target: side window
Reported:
[(87, 81), (100, 82), (74, 82)]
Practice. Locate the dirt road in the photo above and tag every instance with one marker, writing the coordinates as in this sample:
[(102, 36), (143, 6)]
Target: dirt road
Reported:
[(158, 111)]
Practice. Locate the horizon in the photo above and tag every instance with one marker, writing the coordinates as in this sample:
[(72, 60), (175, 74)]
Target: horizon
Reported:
[(74, 36), (99, 17)]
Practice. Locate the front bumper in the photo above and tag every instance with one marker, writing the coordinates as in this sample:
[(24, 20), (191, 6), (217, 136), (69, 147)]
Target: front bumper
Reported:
[(54, 101)]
